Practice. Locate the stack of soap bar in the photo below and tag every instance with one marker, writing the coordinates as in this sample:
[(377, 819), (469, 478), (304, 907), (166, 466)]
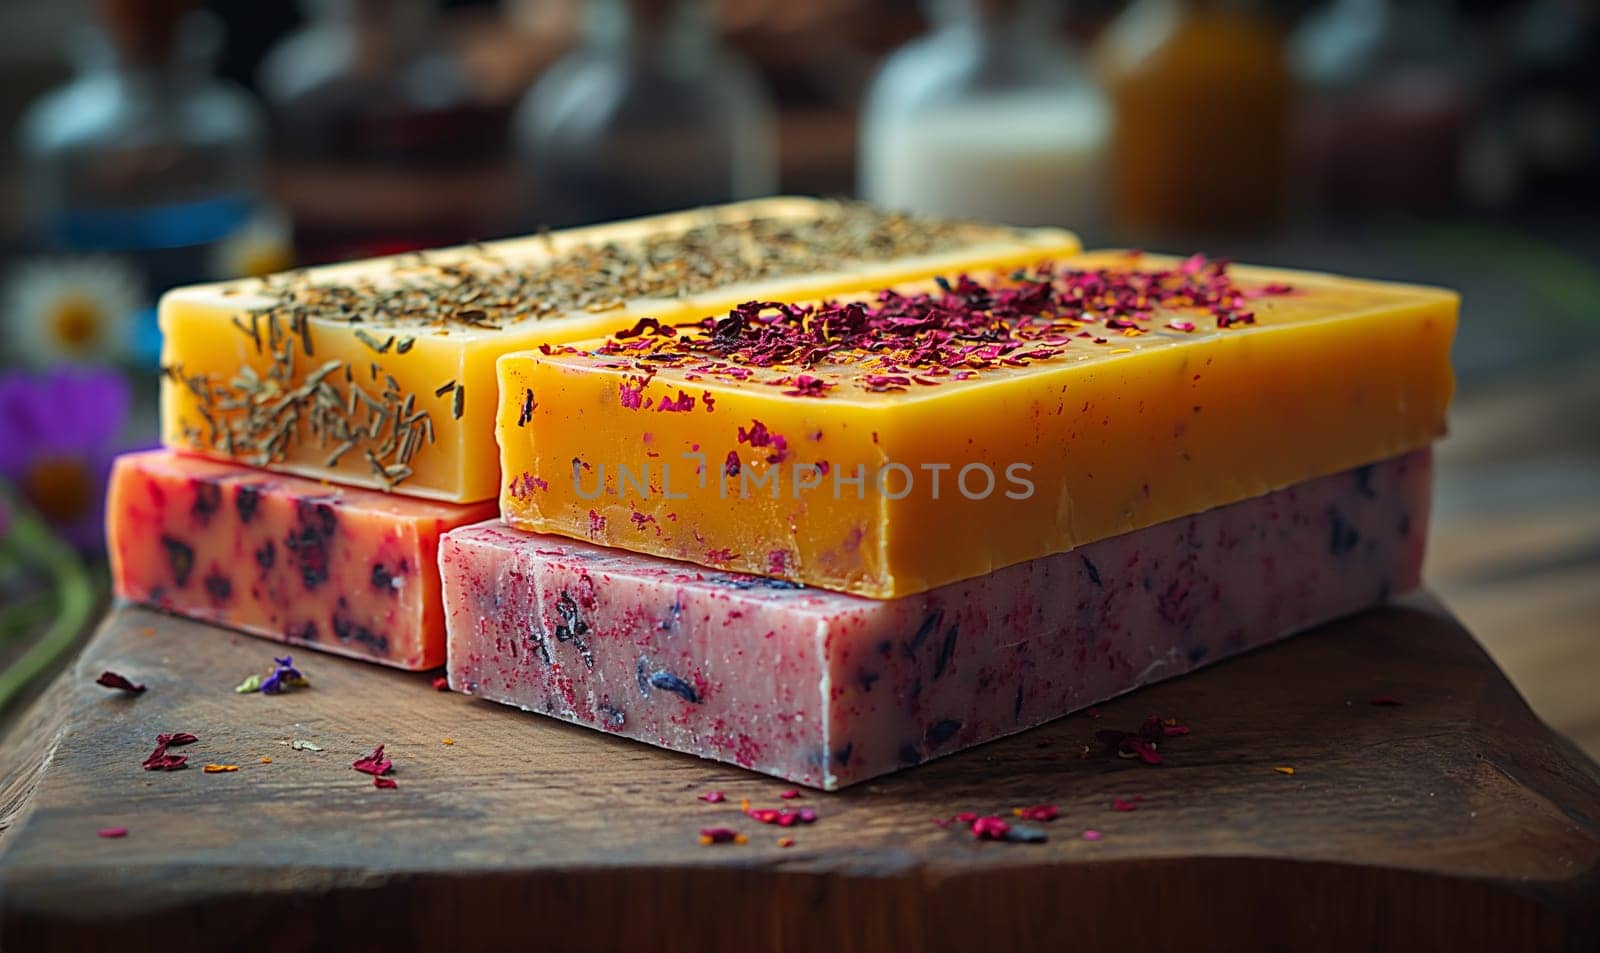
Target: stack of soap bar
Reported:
[(828, 689), (344, 570), (381, 373), (892, 444)]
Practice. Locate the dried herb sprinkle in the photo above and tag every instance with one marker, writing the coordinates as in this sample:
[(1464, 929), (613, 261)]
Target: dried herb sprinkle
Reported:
[(262, 417)]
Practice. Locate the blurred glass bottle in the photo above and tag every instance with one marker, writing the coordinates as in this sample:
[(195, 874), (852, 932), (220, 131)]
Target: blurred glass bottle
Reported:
[(650, 113), (1545, 127), (147, 157), (989, 116), (1202, 92), (382, 145), (1387, 103)]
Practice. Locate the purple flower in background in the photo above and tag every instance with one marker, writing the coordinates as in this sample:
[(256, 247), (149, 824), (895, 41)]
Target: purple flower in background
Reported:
[(59, 431)]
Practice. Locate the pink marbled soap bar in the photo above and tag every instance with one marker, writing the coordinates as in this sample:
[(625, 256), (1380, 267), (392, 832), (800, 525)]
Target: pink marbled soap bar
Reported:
[(828, 689), (339, 569)]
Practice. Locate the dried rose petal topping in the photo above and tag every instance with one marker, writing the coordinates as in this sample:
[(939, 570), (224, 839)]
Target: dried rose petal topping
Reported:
[(905, 340)]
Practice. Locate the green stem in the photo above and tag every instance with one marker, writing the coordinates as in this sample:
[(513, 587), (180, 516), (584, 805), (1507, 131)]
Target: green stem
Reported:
[(22, 614), (1549, 271), (73, 586)]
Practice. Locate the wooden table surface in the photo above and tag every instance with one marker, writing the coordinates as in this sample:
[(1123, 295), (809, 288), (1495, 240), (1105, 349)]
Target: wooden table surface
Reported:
[(1452, 820), (1515, 542)]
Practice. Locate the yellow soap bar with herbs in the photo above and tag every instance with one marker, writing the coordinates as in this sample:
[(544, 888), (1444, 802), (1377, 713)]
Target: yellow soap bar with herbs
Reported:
[(380, 373), (892, 443)]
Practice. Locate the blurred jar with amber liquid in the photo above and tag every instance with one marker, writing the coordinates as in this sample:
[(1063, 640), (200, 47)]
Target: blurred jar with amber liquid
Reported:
[(1201, 93)]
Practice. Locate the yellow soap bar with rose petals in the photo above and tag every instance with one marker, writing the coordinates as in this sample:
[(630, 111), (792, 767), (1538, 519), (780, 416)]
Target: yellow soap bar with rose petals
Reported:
[(902, 441), (381, 373)]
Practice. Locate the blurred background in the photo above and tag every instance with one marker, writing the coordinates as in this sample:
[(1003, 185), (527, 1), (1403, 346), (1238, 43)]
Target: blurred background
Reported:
[(148, 143)]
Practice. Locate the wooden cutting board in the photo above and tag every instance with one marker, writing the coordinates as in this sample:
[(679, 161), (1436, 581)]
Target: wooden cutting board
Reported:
[(1452, 820)]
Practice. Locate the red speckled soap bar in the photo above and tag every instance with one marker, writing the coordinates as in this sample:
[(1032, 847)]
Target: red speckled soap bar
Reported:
[(828, 689), (338, 569)]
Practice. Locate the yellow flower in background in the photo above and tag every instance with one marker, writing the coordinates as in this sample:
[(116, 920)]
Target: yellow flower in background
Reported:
[(71, 311), (262, 247)]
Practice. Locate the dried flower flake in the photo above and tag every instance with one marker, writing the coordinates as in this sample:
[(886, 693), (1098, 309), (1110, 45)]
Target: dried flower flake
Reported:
[(721, 835), (113, 680), (990, 828), (284, 677), (374, 764), (1038, 812), (160, 760)]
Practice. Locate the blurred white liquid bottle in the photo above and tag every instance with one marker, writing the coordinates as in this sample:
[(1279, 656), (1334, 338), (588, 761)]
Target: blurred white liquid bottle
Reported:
[(989, 116)]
